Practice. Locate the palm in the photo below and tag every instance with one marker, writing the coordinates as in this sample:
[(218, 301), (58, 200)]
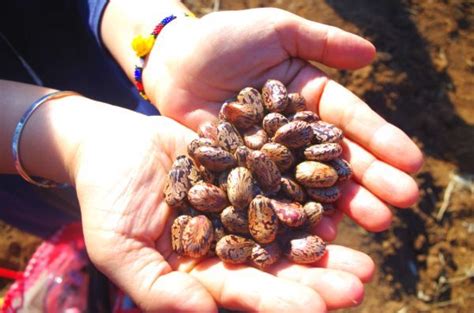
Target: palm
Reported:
[(127, 225)]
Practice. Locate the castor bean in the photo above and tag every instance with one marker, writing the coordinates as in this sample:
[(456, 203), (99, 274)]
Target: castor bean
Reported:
[(265, 171), (263, 222), (242, 115), (273, 121), (314, 212), (289, 213), (278, 153), (325, 195), (255, 137), (197, 236), (275, 96), (323, 152), (315, 174), (343, 169), (291, 189), (200, 142), (235, 221), (214, 159), (241, 154), (206, 197), (296, 103), (234, 249), (306, 116), (177, 229), (181, 177), (228, 137), (265, 255), (240, 187), (294, 135), (328, 209), (305, 249), (326, 132), (251, 96)]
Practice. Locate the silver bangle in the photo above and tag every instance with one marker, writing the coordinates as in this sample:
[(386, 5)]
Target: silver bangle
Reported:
[(45, 183)]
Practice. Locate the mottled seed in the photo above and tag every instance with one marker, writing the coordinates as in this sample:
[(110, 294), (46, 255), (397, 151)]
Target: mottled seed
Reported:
[(323, 152), (314, 212), (292, 190), (315, 174), (275, 96), (235, 221), (306, 116), (242, 115), (197, 236), (289, 213), (200, 142), (253, 97), (265, 255), (278, 153), (234, 249), (241, 154), (206, 197), (295, 134), (325, 132), (305, 249), (228, 137), (240, 187), (325, 195), (263, 222), (255, 137), (177, 229), (296, 103), (182, 176), (273, 121), (343, 169), (214, 159), (265, 171)]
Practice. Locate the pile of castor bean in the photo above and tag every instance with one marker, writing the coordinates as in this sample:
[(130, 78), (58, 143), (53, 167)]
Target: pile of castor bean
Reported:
[(257, 181)]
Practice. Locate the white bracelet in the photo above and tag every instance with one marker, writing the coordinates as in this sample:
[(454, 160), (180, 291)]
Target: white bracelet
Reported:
[(45, 183)]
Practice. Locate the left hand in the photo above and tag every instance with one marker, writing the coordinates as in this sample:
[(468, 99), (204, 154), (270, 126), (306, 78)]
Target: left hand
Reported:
[(197, 64)]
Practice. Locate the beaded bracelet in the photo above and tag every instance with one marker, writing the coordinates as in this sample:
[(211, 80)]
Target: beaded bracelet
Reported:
[(44, 183), (142, 47)]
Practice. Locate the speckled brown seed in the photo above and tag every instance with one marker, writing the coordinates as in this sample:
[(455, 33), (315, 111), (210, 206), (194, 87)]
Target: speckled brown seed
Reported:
[(323, 152), (315, 174), (182, 176), (206, 197), (241, 154), (326, 195), (264, 171), (314, 212), (263, 222), (265, 255), (235, 221), (294, 135), (197, 236), (240, 187), (278, 153), (296, 103), (214, 159), (252, 96), (255, 137), (291, 189), (329, 209), (306, 116), (228, 137), (305, 249), (242, 115), (326, 132), (234, 249), (343, 169), (273, 121), (200, 142), (275, 96), (177, 229), (289, 213)]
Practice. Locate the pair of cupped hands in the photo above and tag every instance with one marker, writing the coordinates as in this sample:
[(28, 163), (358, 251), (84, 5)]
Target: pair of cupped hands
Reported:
[(194, 66)]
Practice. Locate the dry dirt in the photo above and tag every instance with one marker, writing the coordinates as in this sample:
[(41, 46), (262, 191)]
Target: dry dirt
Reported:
[(422, 80)]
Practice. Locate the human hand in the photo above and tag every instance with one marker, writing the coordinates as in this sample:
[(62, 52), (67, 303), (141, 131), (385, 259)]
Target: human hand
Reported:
[(197, 64), (119, 175)]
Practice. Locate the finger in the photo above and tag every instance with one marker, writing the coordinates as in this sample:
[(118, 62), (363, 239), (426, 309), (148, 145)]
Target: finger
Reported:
[(248, 289), (348, 260), (361, 124), (363, 207), (339, 289), (386, 182), (326, 229)]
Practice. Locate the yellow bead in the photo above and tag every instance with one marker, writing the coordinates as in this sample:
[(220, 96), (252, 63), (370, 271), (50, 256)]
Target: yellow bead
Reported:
[(142, 45)]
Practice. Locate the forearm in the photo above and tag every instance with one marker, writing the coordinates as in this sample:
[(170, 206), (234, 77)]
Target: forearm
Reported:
[(53, 134), (123, 20)]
